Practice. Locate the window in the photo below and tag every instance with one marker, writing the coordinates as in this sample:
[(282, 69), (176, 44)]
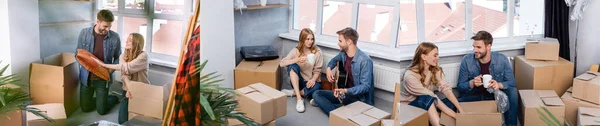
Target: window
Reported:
[(169, 6), (444, 21), (305, 14), (407, 29), (336, 16), (374, 23), (490, 16), (529, 17), (167, 36), (160, 22)]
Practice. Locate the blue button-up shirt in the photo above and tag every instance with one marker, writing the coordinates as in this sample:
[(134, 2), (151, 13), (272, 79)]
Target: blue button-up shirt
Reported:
[(499, 69), (112, 50), (362, 73)]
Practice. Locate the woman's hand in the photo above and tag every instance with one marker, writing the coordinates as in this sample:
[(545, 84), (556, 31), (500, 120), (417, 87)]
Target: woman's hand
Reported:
[(128, 95), (98, 61), (310, 83)]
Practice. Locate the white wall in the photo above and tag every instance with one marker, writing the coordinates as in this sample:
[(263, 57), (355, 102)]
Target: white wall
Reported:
[(4, 36), (24, 36), (217, 44), (587, 38)]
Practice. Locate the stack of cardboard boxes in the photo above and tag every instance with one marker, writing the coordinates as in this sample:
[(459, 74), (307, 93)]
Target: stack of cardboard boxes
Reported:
[(261, 103), (250, 72), (585, 93)]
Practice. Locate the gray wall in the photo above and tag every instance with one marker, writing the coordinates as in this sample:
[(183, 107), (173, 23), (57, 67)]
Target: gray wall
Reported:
[(260, 27), (586, 37), (217, 38), (60, 24)]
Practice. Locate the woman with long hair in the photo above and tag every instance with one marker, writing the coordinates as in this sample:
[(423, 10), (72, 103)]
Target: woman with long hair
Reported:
[(133, 65), (304, 66), (421, 78)]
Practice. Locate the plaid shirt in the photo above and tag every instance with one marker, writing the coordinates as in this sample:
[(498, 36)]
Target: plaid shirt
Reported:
[(187, 94)]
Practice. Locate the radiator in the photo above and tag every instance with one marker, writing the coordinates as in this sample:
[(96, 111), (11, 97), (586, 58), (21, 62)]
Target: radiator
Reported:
[(386, 77)]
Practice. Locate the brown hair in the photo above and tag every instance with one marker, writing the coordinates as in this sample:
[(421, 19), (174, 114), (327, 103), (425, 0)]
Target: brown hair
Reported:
[(485, 36), (418, 63), (349, 33), (303, 37), (105, 15), (137, 47)]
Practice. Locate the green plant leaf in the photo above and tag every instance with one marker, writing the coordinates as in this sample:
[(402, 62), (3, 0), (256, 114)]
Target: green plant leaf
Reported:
[(207, 107), (551, 116), (544, 118)]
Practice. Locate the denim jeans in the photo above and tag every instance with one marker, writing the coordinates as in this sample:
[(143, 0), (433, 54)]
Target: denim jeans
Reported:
[(513, 99), (124, 110), (302, 84), (425, 101), (327, 102), (103, 103)]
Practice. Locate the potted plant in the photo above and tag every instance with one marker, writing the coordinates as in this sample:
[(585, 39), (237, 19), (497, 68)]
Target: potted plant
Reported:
[(15, 99), (217, 103)]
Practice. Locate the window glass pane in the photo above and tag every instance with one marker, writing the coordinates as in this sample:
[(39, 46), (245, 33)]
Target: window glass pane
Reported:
[(166, 37), (490, 16), (305, 14), (168, 6), (133, 25), (407, 31), (115, 25), (374, 23), (444, 20), (134, 4), (112, 5), (336, 16), (529, 17)]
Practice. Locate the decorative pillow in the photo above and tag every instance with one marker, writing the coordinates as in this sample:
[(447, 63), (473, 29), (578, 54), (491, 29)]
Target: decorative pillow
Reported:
[(85, 59)]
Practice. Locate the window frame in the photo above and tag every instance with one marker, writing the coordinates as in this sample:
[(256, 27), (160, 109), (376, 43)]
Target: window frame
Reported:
[(149, 14), (384, 51)]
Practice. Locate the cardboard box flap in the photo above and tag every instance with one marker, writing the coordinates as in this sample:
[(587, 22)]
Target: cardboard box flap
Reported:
[(408, 112), (52, 110), (248, 65), (554, 101), (266, 67), (363, 120), (245, 90), (387, 122), (570, 90), (377, 113), (344, 112), (587, 76), (258, 97), (269, 91), (592, 112), (530, 98), (359, 106), (546, 93)]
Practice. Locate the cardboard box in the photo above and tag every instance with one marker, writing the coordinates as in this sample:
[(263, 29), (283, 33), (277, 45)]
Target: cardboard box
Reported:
[(14, 118), (543, 75), (387, 122), (55, 111), (478, 114), (55, 79), (588, 116), (250, 72), (235, 122), (148, 100), (357, 114), (587, 87), (396, 100), (545, 49), (410, 116), (261, 103), (571, 106), (533, 99), (131, 115)]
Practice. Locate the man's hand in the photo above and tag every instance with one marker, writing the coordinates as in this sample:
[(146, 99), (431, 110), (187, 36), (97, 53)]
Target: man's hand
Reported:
[(477, 81), (330, 76), (495, 85), (338, 92)]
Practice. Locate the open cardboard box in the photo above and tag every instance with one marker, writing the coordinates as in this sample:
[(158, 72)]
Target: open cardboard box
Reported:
[(56, 111), (357, 114), (410, 116), (148, 100), (588, 116), (476, 114), (261, 103), (587, 87), (55, 79), (533, 100)]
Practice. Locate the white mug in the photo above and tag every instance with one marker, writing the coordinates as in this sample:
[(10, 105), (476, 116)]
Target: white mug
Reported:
[(311, 59), (486, 80)]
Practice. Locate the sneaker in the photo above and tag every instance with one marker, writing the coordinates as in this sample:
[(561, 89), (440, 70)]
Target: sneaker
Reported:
[(289, 93), (300, 106), (313, 103)]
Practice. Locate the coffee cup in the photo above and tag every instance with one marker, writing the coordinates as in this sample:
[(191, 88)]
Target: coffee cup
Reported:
[(311, 59), (486, 80)]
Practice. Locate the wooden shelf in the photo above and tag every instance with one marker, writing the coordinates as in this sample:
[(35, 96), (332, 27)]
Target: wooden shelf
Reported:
[(256, 7), (64, 23)]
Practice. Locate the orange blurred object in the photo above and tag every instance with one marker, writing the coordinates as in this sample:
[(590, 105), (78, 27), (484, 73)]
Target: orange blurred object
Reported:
[(85, 59)]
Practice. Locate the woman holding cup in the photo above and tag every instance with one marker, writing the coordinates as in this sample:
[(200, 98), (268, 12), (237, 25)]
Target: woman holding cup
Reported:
[(304, 67), (421, 78)]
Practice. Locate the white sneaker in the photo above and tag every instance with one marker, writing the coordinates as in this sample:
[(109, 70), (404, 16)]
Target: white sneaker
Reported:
[(313, 103), (289, 93), (300, 106)]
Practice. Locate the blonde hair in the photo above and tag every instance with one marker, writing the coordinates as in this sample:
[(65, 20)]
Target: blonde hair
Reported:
[(137, 47), (418, 64), (303, 37)]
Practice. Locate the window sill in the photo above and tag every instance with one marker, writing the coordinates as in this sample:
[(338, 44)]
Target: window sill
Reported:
[(406, 53)]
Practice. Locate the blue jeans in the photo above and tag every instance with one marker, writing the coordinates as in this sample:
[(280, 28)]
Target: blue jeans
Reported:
[(124, 109), (302, 83), (327, 102), (513, 99), (425, 101), (102, 102)]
